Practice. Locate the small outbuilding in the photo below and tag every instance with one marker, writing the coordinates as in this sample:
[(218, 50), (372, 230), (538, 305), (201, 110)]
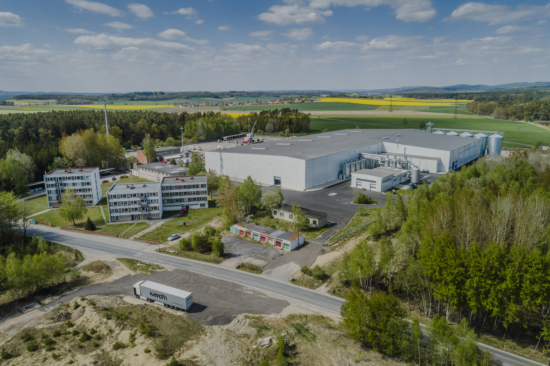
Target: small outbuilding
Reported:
[(378, 179), (316, 218), (278, 238)]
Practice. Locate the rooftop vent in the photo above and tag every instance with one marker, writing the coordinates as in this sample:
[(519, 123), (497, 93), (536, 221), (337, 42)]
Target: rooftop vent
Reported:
[(284, 143)]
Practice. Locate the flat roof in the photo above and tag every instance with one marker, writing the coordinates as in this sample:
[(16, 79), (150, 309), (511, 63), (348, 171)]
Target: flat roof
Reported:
[(323, 144), (169, 148), (311, 213), (184, 179), (165, 168), (380, 172), (166, 289), (138, 187), (71, 171)]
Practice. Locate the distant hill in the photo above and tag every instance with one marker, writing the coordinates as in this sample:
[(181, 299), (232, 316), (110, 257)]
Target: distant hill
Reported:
[(472, 88)]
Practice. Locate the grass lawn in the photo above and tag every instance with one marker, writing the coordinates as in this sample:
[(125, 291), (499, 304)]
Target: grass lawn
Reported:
[(398, 191), (140, 226), (208, 257), (34, 206), (249, 268), (116, 229), (265, 218), (514, 131), (308, 106), (363, 214), (53, 218), (196, 218), (141, 267)]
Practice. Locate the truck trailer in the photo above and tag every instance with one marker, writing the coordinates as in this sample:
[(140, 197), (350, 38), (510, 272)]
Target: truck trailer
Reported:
[(170, 297)]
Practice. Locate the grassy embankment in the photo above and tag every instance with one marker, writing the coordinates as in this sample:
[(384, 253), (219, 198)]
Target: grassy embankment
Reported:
[(94, 213)]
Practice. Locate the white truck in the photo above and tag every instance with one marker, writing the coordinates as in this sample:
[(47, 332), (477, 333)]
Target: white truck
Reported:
[(170, 297)]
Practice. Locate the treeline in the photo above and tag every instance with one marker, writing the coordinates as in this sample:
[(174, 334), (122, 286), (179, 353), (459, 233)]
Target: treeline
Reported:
[(510, 95), (537, 111), (276, 121), (473, 245), (5, 102)]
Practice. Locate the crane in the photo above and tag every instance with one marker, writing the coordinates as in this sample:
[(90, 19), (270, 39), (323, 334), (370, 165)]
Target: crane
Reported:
[(249, 137)]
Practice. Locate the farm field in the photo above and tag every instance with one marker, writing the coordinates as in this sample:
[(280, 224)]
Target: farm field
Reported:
[(398, 101), (527, 134), (310, 106)]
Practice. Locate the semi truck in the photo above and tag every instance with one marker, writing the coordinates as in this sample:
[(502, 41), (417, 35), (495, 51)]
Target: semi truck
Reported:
[(170, 297)]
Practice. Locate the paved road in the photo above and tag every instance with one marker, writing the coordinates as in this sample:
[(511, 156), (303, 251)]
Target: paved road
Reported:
[(130, 249)]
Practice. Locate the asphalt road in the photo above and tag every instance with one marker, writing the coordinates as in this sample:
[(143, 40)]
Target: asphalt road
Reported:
[(129, 249)]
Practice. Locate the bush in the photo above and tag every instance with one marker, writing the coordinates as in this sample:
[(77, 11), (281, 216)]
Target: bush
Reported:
[(306, 270), (95, 344), (118, 345), (318, 272), (363, 199), (97, 337), (55, 356), (162, 349), (90, 226), (173, 362), (32, 346), (76, 305), (75, 333), (56, 333), (93, 331), (132, 338), (185, 245), (85, 337), (218, 247), (5, 355), (50, 348), (25, 337), (147, 350), (69, 324), (48, 341), (122, 315)]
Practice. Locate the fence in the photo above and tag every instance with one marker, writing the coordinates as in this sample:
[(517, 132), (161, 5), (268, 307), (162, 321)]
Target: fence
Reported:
[(343, 234)]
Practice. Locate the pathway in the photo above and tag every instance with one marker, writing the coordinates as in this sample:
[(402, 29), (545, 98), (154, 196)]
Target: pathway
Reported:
[(103, 214), (124, 232), (41, 212)]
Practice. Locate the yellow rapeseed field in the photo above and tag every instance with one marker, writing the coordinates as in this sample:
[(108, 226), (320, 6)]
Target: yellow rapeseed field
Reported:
[(129, 107), (398, 101)]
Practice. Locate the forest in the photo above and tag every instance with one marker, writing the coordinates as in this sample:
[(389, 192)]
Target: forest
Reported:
[(519, 95), (516, 110), (274, 121), (473, 247)]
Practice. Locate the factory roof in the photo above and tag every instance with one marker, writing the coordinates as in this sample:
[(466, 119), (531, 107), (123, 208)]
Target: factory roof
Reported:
[(184, 179), (71, 171), (380, 172), (164, 149), (310, 213), (134, 187), (323, 144), (165, 168)]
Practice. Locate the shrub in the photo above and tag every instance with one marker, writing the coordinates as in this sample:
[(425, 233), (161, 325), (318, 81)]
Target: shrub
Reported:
[(306, 270), (147, 350), (5, 355), (32, 346), (75, 333), (93, 331), (218, 247), (132, 338), (185, 245), (95, 344), (76, 305), (56, 333), (85, 337), (90, 226), (25, 337), (50, 348), (97, 337), (69, 324), (363, 199), (173, 362), (122, 315), (55, 356), (317, 272), (145, 329), (118, 345), (48, 341), (162, 349)]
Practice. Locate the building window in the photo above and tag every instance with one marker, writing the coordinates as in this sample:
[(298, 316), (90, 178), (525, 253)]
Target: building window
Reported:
[(282, 214)]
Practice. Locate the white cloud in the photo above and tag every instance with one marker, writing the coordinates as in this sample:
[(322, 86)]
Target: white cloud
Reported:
[(176, 34), (487, 45), (78, 31), (294, 14), (224, 28), (10, 20), (261, 34), (183, 11), (510, 29), (200, 21), (498, 14), (361, 38), (282, 48), (105, 42), (335, 46), (22, 53), (141, 11), (299, 34), (243, 48), (541, 22), (405, 10), (95, 7), (119, 25), (392, 42)]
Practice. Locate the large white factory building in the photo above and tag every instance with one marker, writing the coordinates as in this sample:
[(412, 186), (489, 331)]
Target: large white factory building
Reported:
[(302, 163)]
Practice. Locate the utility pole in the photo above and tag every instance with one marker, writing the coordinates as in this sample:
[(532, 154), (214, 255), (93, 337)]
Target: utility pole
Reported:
[(391, 104), (106, 121), (181, 138)]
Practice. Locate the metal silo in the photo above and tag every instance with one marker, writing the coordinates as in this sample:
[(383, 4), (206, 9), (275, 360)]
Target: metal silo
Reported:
[(415, 175), (495, 144), (452, 133), (466, 134), (439, 133), (483, 140), (347, 170)]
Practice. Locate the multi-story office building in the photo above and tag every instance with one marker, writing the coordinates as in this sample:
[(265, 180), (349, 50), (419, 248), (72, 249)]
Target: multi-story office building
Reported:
[(137, 201), (187, 191), (84, 182)]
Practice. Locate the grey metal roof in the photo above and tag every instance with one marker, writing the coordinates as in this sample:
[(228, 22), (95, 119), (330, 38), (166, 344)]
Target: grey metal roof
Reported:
[(379, 172), (314, 146), (310, 213), (138, 187), (259, 228), (281, 234), (184, 179), (165, 168), (71, 171)]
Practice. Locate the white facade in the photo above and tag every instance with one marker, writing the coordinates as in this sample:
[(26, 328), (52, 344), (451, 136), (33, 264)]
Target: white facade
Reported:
[(304, 163), (130, 202), (378, 179), (186, 191), (84, 182)]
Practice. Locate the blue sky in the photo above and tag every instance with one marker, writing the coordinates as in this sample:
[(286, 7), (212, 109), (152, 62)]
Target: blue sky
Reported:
[(188, 45)]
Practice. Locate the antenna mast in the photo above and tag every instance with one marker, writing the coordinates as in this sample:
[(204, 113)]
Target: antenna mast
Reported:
[(106, 120)]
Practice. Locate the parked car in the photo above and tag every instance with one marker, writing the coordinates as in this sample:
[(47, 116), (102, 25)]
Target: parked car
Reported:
[(424, 171), (114, 178), (149, 218), (173, 237), (184, 210), (104, 181)]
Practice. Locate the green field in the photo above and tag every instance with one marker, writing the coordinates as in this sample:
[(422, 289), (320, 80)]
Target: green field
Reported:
[(196, 218), (34, 206), (527, 133), (140, 226), (310, 106), (53, 218)]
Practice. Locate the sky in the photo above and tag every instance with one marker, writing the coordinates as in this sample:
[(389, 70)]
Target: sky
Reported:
[(215, 45)]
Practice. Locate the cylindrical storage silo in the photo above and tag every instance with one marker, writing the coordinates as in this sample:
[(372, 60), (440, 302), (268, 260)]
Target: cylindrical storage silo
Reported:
[(347, 170), (415, 175), (466, 134), (483, 140), (452, 133), (439, 133), (495, 144)]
